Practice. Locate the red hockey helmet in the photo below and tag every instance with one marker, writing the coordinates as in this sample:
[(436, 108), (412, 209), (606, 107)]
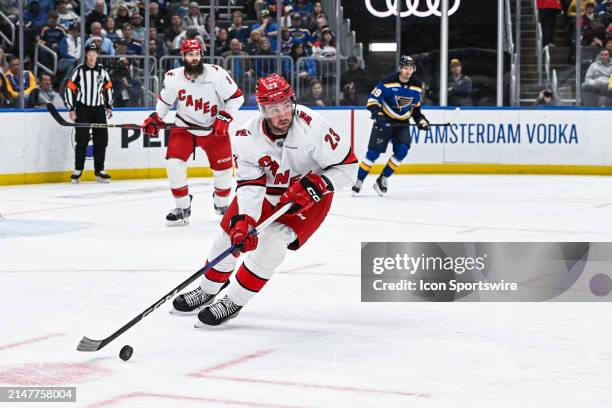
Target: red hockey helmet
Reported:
[(273, 89), (191, 45)]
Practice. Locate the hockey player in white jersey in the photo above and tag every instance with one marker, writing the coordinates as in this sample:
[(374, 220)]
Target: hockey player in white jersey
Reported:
[(288, 153), (205, 96)]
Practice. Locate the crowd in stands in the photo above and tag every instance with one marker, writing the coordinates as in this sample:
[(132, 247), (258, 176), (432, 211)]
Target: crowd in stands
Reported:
[(595, 39), (117, 27)]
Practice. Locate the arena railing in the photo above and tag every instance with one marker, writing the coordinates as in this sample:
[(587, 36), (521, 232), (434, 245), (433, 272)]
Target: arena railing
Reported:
[(8, 40), (37, 64)]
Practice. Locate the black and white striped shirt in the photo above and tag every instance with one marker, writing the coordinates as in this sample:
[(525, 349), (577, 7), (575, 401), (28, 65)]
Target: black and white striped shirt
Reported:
[(89, 86)]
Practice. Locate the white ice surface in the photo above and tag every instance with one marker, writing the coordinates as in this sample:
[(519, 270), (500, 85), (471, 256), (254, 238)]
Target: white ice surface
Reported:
[(84, 259)]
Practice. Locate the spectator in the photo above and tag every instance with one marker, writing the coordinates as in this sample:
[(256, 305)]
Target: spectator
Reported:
[(267, 27), (126, 90), (356, 75), (52, 34), (176, 29), (317, 12), (315, 96), (240, 65), (606, 15), (69, 51), (221, 42), (15, 82), (545, 98), (595, 86), (265, 66), (91, 5), (194, 18), (325, 47), (286, 41), (298, 34), (33, 18), (133, 46), (459, 86), (106, 46), (122, 15), (237, 29), (252, 46), (548, 10), (6, 100), (66, 17), (593, 31), (3, 64), (349, 95), (156, 19), (159, 41), (111, 31), (190, 33), (321, 24), (46, 94), (304, 7), (121, 47), (96, 15), (304, 67), (138, 30), (183, 9), (286, 17)]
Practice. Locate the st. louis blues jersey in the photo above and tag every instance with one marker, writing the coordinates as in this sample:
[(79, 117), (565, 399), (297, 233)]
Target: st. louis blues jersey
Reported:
[(398, 101)]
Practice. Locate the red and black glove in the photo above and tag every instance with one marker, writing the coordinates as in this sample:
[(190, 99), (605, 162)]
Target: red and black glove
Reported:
[(152, 124), (221, 124), (240, 226), (305, 192)]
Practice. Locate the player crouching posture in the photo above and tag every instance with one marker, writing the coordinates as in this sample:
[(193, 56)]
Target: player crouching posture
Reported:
[(288, 153), (392, 103), (205, 95)]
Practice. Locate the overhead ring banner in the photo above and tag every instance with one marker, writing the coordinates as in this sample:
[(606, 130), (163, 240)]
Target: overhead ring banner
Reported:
[(417, 8)]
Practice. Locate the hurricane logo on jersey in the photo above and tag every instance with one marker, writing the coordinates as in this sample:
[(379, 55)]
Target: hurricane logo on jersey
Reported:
[(403, 101)]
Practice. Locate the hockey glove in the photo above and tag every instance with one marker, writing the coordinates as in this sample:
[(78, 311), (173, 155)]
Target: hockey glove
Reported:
[(380, 120), (240, 225), (152, 124), (304, 193), (423, 124), (221, 125)]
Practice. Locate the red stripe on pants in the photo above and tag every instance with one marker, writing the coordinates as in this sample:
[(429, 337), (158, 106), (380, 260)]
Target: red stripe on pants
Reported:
[(249, 280), (180, 192), (225, 192), (217, 276)]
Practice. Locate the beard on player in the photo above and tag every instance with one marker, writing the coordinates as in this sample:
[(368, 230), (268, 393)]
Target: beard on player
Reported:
[(194, 68)]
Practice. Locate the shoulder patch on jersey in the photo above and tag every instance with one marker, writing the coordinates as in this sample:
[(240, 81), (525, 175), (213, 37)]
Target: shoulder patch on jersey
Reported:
[(243, 132), (169, 73), (216, 67), (305, 117)]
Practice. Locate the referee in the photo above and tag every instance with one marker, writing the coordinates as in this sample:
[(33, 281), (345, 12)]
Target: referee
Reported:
[(89, 98)]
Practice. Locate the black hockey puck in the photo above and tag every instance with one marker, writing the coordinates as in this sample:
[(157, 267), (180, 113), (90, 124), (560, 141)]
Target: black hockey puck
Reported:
[(126, 352)]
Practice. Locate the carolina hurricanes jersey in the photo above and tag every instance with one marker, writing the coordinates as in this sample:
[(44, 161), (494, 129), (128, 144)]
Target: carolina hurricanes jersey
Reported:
[(265, 166), (198, 100)]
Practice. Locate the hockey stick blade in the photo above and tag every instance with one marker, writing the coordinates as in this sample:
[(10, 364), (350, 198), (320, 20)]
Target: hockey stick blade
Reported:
[(89, 345), (59, 119)]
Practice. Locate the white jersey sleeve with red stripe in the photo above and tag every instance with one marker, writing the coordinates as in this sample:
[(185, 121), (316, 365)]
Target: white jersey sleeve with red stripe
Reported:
[(265, 166), (199, 100)]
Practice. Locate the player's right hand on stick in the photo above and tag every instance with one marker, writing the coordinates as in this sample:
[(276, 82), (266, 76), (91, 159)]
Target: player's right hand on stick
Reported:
[(152, 124), (380, 120), (240, 226)]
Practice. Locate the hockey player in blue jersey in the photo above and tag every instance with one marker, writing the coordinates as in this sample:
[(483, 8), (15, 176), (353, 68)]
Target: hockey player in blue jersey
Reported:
[(392, 103)]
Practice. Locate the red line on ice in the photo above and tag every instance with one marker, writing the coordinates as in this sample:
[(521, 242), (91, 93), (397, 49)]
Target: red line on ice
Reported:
[(230, 363), (133, 395), (319, 386), (29, 341)]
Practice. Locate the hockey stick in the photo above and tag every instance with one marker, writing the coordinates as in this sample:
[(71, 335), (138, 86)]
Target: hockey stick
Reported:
[(451, 121), (58, 118), (87, 344)]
